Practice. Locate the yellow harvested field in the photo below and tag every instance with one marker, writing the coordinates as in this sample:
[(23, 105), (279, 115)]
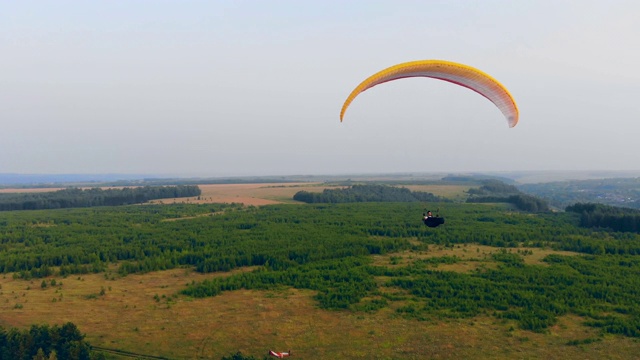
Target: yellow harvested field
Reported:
[(278, 193), (52, 189), (264, 193), (248, 194), (27, 190)]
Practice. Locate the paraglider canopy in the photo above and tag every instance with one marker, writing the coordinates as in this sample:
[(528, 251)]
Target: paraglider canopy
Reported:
[(452, 72)]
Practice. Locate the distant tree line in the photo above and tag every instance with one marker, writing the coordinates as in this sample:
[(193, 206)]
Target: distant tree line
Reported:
[(521, 201), (474, 179), (494, 191), (366, 193), (42, 342), (605, 216), (494, 187), (76, 197)]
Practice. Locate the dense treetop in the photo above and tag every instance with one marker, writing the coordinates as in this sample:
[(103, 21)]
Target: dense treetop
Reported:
[(42, 342), (615, 218), (366, 193)]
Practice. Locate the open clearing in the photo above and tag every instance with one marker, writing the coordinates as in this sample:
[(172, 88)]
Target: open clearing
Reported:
[(28, 190), (248, 194), (139, 313), (264, 193), (470, 256), (453, 192), (142, 314)]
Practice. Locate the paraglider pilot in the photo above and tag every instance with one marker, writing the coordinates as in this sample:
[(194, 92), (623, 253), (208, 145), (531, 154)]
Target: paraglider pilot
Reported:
[(432, 221)]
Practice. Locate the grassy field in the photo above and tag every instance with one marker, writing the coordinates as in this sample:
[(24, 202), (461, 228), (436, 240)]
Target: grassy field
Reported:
[(248, 194), (142, 314), (454, 192), (471, 257)]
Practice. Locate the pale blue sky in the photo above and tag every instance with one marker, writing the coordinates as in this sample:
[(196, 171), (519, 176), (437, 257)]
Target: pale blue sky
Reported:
[(217, 88)]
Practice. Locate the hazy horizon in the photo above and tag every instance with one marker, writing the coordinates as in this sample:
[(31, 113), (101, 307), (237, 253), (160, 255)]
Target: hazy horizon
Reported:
[(248, 88), (520, 177)]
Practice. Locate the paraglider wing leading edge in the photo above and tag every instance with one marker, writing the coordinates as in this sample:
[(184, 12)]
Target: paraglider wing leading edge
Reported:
[(452, 72)]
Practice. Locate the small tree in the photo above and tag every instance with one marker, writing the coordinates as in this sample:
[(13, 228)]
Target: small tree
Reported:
[(40, 355)]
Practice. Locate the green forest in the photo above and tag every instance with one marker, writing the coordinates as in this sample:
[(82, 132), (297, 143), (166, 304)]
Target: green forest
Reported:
[(42, 342), (615, 218), (495, 191), (366, 193), (328, 248), (490, 191)]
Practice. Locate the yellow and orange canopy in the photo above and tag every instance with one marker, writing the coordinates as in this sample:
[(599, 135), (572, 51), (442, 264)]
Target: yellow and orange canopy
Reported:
[(459, 74)]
